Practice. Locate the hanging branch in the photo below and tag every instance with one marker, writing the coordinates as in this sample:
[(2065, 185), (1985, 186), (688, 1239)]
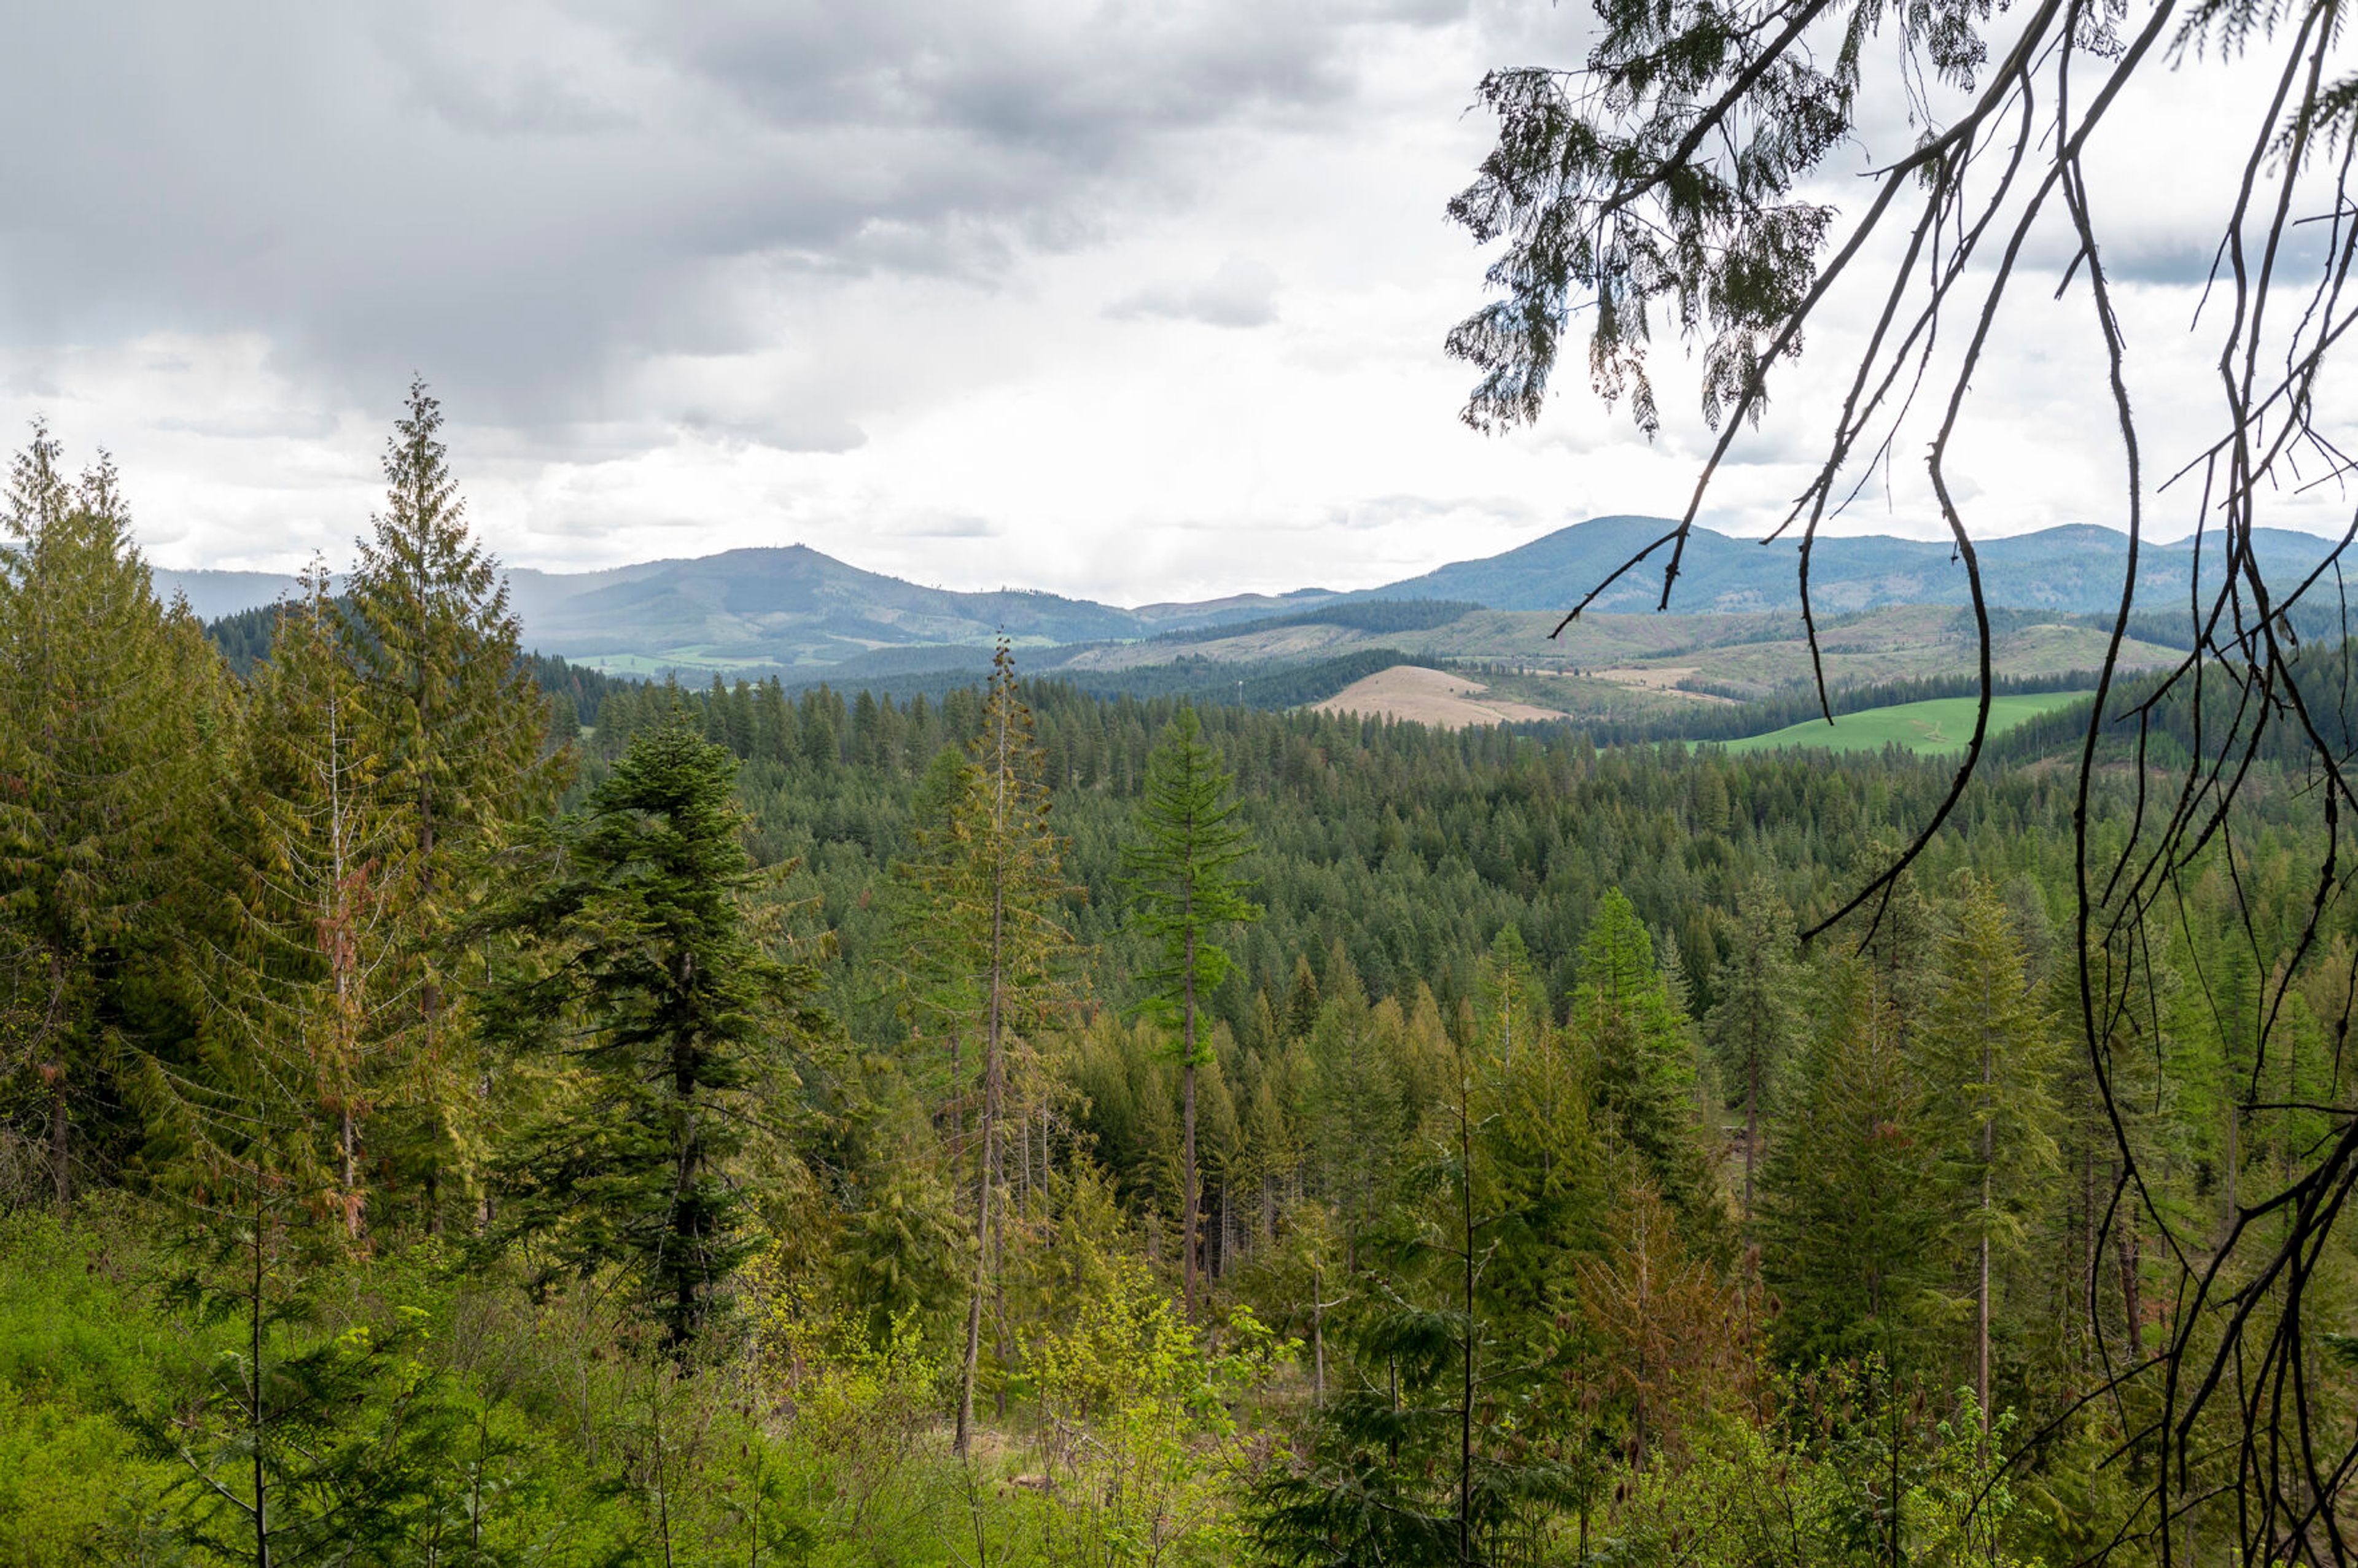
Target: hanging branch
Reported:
[(1667, 180)]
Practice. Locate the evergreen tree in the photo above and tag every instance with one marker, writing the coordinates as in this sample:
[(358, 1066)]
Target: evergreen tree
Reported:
[(112, 708), (666, 1025), (306, 973), (1430, 1456), (1752, 1022), (1640, 1046), (1178, 874), (456, 726), (1990, 1061), (983, 945), (317, 1439), (1849, 1209)]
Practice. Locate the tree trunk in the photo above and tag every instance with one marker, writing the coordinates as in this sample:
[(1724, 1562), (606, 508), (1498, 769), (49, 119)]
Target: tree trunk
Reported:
[(992, 1023), (1982, 1290), (1466, 1389), (1227, 1227), (261, 1485), (60, 1149), (2132, 1294), (429, 995), (962, 1443), (1751, 1122), (54, 1070), (1187, 1225), (347, 1142), (1318, 1338)]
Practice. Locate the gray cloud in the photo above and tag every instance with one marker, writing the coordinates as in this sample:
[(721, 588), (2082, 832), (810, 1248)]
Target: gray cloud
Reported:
[(946, 527), (525, 202), (255, 424), (1241, 294)]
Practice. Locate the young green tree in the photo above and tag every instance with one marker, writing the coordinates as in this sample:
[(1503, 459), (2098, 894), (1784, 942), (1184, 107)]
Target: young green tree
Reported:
[(1849, 1205), (1429, 1454), (1641, 1052), (1179, 876), (1752, 1023), (642, 982), (982, 945), (302, 1440), (1990, 1056), (111, 707), (308, 946), (456, 725)]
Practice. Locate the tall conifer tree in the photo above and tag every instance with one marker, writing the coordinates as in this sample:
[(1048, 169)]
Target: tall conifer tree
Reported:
[(1641, 1051), (110, 715), (1752, 1023), (309, 973), (1990, 1057), (983, 944), (1848, 1209), (643, 979), (455, 722), (1179, 876)]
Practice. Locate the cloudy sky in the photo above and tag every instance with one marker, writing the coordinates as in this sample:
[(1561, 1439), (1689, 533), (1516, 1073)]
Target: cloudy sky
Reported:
[(1139, 300)]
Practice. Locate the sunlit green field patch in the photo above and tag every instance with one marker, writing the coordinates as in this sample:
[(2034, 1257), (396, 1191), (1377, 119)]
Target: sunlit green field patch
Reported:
[(1941, 725)]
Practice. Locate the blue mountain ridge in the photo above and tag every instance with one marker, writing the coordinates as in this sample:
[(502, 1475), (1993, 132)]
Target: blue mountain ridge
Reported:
[(793, 606)]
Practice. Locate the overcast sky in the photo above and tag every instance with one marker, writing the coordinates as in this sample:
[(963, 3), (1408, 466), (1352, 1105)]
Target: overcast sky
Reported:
[(1136, 301)]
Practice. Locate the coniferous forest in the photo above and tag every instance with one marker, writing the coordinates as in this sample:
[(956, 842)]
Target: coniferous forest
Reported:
[(457, 1112)]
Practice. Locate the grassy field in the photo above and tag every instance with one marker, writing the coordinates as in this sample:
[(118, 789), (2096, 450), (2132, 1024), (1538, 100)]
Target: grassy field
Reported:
[(1939, 726)]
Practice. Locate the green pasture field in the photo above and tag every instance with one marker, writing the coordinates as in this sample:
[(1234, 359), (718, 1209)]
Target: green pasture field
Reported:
[(1941, 725)]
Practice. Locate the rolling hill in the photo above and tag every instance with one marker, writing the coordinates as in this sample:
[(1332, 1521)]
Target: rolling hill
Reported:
[(2076, 569), (798, 612)]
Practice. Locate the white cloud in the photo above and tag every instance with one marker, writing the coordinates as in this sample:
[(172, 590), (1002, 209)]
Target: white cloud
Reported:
[(1242, 293), (1136, 301)]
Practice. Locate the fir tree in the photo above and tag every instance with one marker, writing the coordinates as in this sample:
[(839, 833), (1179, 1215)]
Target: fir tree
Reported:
[(307, 972), (1430, 1455), (1752, 1022), (1848, 1201), (982, 947), (1988, 1057), (110, 710), (1179, 878), (667, 1022), (455, 723), (1641, 1050)]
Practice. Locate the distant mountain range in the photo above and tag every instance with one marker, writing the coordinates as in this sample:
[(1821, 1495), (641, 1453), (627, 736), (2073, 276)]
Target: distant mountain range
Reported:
[(2074, 568), (795, 609)]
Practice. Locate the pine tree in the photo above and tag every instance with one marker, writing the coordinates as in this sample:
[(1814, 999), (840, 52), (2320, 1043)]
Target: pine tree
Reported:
[(1431, 1454), (307, 972), (1849, 1205), (456, 725), (641, 983), (1640, 1046), (981, 945), (1990, 1061), (1179, 879), (1510, 1006), (112, 708), (1752, 1025)]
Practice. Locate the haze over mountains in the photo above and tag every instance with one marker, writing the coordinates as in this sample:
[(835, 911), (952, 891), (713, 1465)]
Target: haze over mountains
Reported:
[(792, 608)]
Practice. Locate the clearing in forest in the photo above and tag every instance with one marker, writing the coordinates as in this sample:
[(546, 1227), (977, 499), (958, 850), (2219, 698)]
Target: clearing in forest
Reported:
[(1941, 725), (1430, 697)]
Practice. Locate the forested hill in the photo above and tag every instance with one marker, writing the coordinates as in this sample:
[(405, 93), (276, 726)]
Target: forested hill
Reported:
[(1025, 1126), (1406, 848), (2076, 569), (794, 609)]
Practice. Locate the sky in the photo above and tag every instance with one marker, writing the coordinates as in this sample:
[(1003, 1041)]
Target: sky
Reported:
[(1136, 301)]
